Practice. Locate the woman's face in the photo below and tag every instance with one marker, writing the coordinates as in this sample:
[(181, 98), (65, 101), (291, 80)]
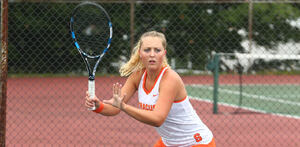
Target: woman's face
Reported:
[(152, 52)]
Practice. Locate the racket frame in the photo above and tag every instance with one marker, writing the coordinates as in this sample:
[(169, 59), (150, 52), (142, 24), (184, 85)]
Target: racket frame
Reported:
[(85, 57)]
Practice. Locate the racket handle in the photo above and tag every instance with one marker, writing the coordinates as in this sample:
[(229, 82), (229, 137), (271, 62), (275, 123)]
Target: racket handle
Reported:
[(92, 91)]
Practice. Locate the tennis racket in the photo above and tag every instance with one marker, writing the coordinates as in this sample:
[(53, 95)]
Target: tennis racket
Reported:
[(91, 30)]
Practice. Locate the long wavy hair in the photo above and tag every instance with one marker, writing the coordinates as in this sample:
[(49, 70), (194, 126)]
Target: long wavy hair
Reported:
[(134, 63)]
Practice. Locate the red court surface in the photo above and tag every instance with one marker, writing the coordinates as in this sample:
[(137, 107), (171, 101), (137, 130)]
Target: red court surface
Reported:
[(51, 112)]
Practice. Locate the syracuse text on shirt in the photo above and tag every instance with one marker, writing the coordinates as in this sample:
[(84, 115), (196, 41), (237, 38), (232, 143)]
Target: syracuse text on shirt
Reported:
[(146, 106)]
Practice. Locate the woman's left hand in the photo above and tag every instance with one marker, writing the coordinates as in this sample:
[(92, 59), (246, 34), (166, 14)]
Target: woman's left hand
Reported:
[(117, 99)]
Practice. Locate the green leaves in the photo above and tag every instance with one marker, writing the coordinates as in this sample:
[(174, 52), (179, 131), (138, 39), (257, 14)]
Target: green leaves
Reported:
[(193, 31)]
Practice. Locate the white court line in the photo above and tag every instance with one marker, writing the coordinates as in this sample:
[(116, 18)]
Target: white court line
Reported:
[(253, 96), (281, 96), (246, 108), (236, 106)]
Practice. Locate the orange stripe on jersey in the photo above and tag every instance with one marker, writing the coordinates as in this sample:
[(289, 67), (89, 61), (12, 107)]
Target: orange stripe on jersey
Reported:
[(144, 82), (180, 100), (211, 144), (159, 143)]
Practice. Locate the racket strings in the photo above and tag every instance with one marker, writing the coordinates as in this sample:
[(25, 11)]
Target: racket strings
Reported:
[(91, 27)]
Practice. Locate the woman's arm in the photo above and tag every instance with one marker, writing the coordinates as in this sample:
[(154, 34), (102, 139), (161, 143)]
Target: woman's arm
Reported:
[(104, 109), (129, 88), (168, 90)]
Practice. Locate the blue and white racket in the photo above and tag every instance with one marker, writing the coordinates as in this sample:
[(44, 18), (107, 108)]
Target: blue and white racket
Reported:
[(91, 30)]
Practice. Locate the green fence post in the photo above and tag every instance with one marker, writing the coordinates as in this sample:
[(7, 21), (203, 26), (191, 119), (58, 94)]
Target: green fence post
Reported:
[(216, 59)]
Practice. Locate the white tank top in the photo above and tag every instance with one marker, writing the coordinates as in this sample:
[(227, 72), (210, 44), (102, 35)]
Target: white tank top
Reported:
[(182, 126)]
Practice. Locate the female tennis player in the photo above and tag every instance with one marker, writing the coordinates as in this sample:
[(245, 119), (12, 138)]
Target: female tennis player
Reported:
[(163, 100)]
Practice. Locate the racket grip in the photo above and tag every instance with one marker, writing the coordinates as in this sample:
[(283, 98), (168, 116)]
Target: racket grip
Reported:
[(92, 91)]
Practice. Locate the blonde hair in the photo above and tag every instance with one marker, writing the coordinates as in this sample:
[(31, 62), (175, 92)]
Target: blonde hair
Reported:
[(134, 63)]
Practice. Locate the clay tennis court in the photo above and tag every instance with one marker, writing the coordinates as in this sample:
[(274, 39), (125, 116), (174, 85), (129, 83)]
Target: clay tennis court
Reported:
[(50, 111)]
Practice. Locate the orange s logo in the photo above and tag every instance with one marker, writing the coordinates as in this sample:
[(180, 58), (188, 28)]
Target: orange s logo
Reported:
[(197, 137)]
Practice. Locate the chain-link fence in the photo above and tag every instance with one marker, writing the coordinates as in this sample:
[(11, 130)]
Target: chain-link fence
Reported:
[(47, 77)]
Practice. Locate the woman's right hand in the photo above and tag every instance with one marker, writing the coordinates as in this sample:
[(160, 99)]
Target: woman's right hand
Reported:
[(91, 102), (117, 99)]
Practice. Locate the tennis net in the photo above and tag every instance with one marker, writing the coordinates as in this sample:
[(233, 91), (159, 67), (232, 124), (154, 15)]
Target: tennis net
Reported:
[(268, 83)]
